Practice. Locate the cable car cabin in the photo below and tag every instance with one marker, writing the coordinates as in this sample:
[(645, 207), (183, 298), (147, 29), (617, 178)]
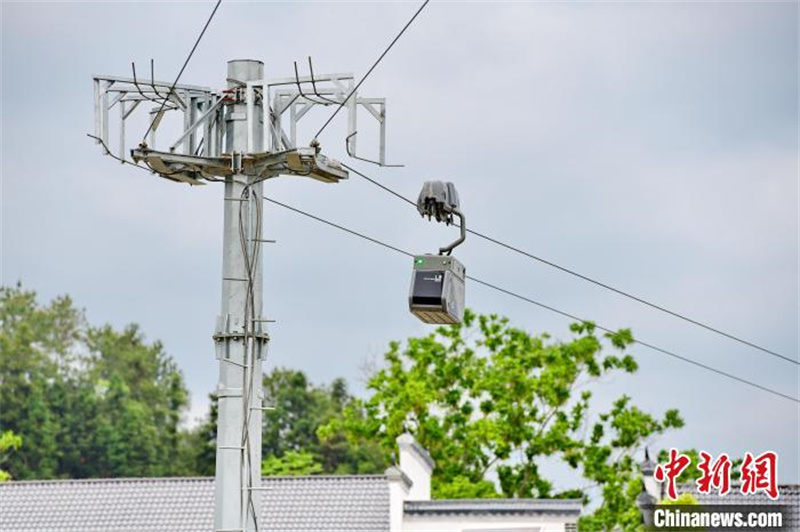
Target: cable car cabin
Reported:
[(437, 289)]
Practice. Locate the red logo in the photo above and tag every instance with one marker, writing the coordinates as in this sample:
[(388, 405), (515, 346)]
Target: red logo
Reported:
[(760, 474), (671, 471), (716, 475)]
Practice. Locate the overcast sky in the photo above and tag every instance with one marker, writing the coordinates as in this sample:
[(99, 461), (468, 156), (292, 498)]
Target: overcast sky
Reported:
[(653, 146)]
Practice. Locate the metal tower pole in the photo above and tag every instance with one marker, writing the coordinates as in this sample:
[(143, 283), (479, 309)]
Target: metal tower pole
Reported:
[(238, 115), (240, 338)]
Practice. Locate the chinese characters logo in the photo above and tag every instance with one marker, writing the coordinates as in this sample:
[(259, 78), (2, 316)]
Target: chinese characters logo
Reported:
[(759, 474)]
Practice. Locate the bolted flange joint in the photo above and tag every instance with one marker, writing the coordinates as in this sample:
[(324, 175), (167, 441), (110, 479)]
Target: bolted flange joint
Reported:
[(230, 329)]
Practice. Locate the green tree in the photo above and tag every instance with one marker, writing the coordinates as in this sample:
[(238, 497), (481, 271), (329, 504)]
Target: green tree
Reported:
[(291, 463), (37, 345), (291, 443), (91, 401), (9, 442), (143, 399), (300, 410), (484, 396), (200, 444)]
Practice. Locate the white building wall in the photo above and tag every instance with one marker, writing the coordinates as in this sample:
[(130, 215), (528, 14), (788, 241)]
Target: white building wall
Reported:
[(399, 485), (417, 464), (412, 482)]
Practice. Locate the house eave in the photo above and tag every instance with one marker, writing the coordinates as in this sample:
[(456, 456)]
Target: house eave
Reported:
[(497, 507)]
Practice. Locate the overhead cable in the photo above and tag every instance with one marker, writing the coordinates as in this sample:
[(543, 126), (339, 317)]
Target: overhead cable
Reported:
[(590, 279), (542, 305), (178, 77), (375, 64)]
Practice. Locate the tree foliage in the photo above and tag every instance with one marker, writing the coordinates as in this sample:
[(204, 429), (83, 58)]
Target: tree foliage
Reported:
[(292, 463), (291, 429), (200, 444), (88, 401), (100, 402), (290, 441), (9, 442), (490, 401)]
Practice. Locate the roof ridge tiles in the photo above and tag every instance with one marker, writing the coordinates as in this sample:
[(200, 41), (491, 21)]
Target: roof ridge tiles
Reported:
[(144, 480)]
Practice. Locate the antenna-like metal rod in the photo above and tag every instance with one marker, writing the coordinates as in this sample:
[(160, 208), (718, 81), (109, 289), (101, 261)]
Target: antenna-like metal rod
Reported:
[(314, 82)]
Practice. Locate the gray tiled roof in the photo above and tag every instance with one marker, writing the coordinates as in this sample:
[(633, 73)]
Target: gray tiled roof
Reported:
[(496, 506), (318, 503), (330, 503), (789, 498)]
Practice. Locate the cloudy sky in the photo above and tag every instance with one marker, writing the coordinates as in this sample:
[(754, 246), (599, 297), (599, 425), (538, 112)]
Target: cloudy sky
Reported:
[(652, 145)]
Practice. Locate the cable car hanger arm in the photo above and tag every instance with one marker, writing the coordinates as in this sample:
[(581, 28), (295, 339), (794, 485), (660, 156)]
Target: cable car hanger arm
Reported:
[(449, 249)]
